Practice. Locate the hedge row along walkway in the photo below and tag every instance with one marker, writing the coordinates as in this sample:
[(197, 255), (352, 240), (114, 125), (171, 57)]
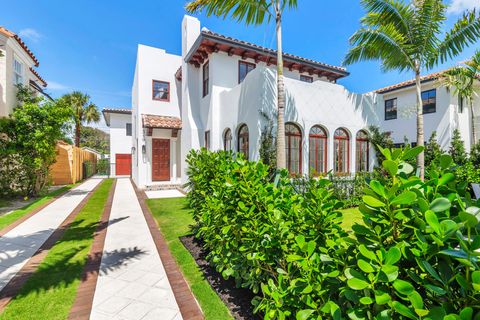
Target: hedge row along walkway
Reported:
[(22, 246)]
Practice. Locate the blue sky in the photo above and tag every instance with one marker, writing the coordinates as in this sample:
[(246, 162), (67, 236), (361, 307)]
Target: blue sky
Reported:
[(90, 45)]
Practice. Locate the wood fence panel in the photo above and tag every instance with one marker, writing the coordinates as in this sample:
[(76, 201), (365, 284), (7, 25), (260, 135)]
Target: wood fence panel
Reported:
[(68, 167)]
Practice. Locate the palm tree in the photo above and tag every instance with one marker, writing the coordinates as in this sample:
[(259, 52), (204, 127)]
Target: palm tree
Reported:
[(255, 12), (84, 111), (409, 37), (462, 80)]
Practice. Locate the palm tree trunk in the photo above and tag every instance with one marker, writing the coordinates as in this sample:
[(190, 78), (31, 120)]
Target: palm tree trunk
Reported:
[(281, 158), (474, 133), (77, 135), (420, 131)]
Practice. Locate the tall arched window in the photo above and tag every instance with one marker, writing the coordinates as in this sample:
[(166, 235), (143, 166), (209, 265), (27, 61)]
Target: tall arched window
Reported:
[(293, 148), (363, 147), (318, 150), (243, 146), (342, 151), (227, 140)]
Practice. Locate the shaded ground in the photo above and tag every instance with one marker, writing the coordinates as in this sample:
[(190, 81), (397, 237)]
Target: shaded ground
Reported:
[(238, 300)]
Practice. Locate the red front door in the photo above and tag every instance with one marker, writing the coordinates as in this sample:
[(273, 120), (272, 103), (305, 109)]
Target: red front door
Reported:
[(123, 164), (160, 160)]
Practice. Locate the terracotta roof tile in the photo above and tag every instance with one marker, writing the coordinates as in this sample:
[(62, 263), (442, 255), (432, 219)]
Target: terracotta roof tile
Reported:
[(35, 73), (154, 121), (207, 35), (117, 110), (409, 83), (10, 34)]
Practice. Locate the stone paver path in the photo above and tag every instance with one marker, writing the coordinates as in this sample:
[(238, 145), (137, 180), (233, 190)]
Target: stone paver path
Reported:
[(132, 283), (20, 244)]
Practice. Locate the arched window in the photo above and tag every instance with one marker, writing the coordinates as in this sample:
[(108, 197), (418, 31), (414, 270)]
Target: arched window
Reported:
[(243, 140), (293, 148), (363, 147), (318, 150), (342, 151), (227, 140)]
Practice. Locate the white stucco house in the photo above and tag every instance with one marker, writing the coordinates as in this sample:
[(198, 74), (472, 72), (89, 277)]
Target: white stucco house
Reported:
[(221, 91), (17, 66)]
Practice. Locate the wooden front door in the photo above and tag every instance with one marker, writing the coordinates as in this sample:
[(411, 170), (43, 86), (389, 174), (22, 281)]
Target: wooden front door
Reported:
[(160, 159), (123, 164)]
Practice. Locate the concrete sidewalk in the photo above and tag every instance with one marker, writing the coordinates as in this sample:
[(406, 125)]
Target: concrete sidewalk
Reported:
[(132, 283), (20, 244)]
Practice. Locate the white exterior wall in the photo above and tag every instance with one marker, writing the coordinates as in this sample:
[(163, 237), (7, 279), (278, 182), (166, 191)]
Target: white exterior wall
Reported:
[(307, 105), (443, 121), (153, 64), (120, 143), (10, 48)]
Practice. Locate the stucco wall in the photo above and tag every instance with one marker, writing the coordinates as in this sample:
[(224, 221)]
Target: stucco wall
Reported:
[(120, 143)]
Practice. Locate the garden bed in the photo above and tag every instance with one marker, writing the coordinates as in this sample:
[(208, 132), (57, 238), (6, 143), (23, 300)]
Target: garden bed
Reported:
[(238, 300)]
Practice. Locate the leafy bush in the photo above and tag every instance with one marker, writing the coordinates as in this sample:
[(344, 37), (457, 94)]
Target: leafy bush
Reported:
[(457, 148), (103, 166), (349, 189), (415, 255)]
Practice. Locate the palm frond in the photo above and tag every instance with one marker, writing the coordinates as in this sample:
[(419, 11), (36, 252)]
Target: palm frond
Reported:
[(427, 24), (249, 11), (387, 12), (465, 31), (384, 43)]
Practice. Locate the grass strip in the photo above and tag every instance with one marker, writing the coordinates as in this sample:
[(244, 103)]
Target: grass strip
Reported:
[(174, 219), (51, 290), (10, 218)]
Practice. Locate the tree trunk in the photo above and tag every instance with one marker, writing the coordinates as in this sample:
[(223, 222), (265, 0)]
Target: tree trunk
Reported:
[(420, 131), (77, 135), (281, 158), (474, 133)]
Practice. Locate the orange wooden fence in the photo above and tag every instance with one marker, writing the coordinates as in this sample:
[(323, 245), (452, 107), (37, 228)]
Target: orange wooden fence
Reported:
[(68, 167)]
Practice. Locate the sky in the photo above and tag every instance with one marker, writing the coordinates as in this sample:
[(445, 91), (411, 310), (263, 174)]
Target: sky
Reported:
[(90, 45)]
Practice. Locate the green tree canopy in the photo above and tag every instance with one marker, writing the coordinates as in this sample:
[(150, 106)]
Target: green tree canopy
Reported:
[(95, 138)]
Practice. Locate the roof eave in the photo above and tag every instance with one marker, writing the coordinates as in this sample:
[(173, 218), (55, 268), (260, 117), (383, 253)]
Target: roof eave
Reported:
[(203, 35)]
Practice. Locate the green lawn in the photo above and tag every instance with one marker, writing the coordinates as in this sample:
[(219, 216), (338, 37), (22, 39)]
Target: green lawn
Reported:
[(350, 217), (51, 290), (7, 219), (4, 203), (174, 219)]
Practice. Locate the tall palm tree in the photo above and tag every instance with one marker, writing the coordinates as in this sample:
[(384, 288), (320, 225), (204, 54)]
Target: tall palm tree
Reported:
[(84, 111), (463, 80), (256, 12), (409, 37)]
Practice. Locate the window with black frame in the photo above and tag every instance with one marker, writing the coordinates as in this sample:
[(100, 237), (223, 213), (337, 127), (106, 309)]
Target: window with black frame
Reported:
[(391, 109), (429, 101)]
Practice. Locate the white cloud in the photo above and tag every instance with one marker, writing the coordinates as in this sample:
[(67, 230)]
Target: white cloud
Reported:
[(459, 6), (52, 85), (31, 34)]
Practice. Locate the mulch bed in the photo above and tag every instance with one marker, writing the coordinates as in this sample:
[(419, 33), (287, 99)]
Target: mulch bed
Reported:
[(237, 300)]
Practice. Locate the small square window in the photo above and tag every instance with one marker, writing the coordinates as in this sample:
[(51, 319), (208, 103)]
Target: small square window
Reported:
[(429, 100), (391, 109), (161, 90), (128, 128), (306, 78)]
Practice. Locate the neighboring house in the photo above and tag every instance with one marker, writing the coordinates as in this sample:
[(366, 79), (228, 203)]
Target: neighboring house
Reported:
[(17, 66), (221, 91), (442, 112), (120, 123), (98, 154)]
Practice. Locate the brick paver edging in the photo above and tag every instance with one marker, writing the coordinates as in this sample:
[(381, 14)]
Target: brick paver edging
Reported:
[(22, 276), (82, 306), (17, 222), (187, 303)]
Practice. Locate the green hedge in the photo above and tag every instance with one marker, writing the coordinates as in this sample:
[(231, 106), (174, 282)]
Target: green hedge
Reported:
[(415, 256)]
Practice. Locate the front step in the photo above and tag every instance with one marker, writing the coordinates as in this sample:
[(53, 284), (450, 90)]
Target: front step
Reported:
[(173, 186)]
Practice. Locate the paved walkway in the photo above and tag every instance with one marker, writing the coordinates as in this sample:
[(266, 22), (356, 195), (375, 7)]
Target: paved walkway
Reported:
[(132, 283), (20, 244)]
